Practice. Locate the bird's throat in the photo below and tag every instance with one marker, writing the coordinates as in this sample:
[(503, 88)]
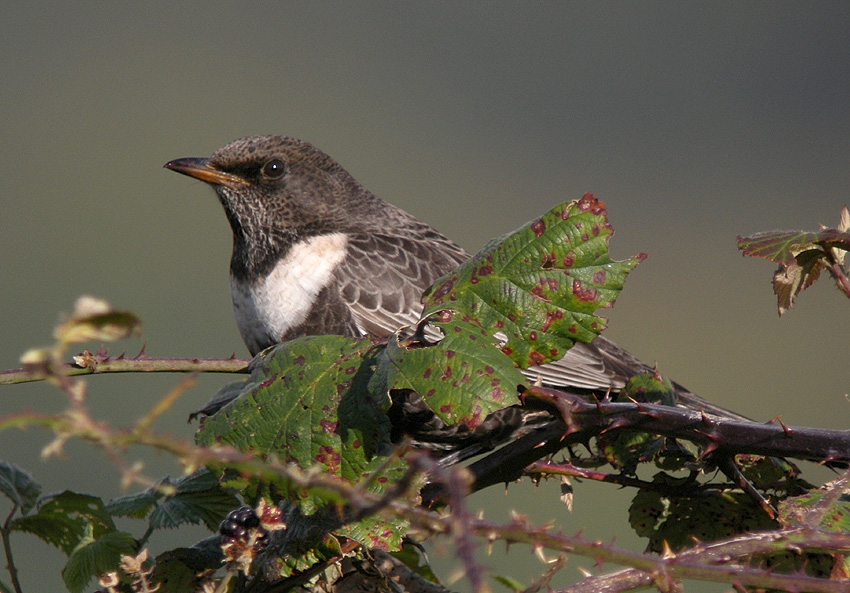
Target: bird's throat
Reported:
[(268, 306)]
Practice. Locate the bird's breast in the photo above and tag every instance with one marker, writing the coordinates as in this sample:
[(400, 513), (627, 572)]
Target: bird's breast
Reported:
[(269, 308)]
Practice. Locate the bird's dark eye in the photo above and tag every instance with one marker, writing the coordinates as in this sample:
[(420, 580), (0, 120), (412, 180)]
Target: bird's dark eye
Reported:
[(274, 169)]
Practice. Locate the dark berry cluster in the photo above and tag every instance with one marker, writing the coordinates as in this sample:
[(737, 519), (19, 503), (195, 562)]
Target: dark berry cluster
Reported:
[(238, 522), (245, 532)]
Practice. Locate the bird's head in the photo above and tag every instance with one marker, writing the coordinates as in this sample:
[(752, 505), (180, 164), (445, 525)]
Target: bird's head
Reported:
[(278, 190), (276, 185)]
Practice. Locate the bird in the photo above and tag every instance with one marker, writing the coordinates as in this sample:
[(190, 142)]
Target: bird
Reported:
[(315, 252)]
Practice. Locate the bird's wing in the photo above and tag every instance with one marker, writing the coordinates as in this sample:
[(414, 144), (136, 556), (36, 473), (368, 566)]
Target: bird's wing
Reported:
[(602, 364), (586, 366), (383, 277)]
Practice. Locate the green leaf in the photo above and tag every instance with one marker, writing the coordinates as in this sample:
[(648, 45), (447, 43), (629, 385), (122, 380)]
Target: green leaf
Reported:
[(136, 505), (649, 388), (95, 556), (308, 402), (375, 533), (62, 519), (19, 486), (646, 511), (625, 449), (539, 285), (771, 473), (834, 518), (197, 498), (462, 379)]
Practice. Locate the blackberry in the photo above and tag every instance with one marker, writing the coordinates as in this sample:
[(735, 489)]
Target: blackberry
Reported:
[(238, 522), (231, 528)]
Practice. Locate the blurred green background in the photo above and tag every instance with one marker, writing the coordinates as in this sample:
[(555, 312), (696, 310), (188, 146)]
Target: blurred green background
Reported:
[(695, 122)]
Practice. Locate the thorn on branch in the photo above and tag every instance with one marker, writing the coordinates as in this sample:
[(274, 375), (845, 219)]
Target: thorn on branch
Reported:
[(642, 409), (710, 436), (709, 449), (616, 424), (785, 428)]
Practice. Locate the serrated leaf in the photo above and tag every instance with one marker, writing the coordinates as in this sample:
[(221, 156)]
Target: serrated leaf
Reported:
[(95, 556), (308, 402), (19, 486), (133, 505), (62, 519), (462, 379), (540, 285), (801, 256), (209, 507), (173, 575), (95, 319), (375, 533), (770, 472), (782, 247), (646, 511), (791, 280), (197, 498)]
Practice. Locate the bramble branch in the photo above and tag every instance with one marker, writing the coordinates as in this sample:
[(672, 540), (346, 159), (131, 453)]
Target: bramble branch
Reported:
[(89, 364)]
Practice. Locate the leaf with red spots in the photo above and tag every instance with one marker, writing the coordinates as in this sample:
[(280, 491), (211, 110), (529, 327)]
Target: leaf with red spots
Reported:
[(540, 285), (801, 257), (834, 516), (462, 379), (307, 401)]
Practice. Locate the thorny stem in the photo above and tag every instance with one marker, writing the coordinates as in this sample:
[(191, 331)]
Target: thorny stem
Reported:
[(125, 365), (544, 468), (7, 548), (839, 275), (458, 482)]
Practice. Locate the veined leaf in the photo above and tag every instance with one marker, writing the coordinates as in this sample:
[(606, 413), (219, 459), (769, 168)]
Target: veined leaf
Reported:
[(197, 498), (801, 256), (308, 402), (19, 486), (540, 285), (95, 556), (62, 519), (462, 379)]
